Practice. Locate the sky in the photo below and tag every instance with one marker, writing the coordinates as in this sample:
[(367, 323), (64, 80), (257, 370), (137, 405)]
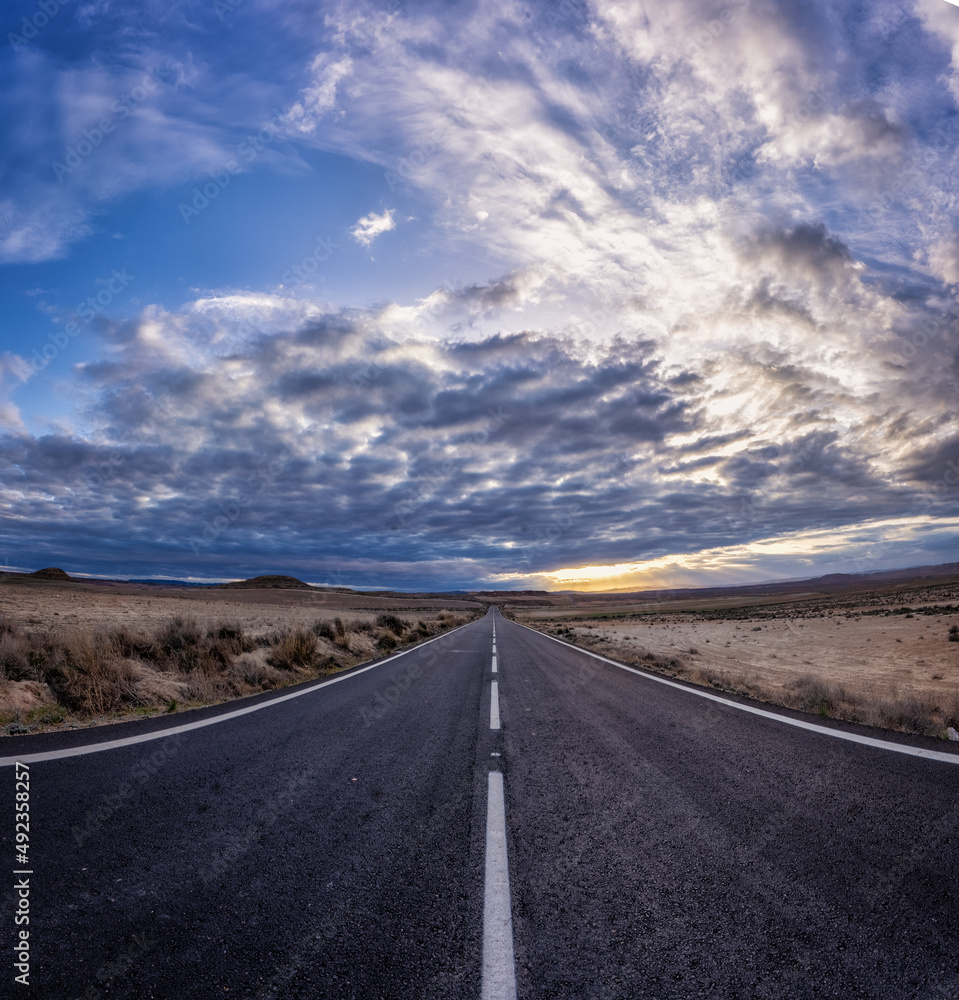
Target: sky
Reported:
[(585, 294)]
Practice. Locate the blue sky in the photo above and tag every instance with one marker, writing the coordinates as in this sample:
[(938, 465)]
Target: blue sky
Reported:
[(479, 294)]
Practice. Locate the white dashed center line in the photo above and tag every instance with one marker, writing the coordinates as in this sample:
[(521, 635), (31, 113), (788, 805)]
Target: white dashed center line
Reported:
[(499, 972)]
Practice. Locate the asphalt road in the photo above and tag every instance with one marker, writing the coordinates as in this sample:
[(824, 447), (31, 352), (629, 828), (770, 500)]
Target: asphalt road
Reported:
[(337, 844)]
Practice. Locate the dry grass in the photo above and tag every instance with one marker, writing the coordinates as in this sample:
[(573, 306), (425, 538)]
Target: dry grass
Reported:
[(15, 652), (922, 713), (75, 675), (295, 650)]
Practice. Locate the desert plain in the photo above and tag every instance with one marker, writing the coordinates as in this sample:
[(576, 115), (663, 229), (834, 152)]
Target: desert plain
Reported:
[(77, 652), (887, 656)]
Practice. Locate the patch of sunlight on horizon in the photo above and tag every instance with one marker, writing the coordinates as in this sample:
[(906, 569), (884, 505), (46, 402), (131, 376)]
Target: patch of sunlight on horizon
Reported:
[(748, 563)]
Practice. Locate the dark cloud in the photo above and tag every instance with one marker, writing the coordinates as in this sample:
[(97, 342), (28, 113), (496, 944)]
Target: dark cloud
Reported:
[(320, 449), (804, 256), (763, 302), (936, 464)]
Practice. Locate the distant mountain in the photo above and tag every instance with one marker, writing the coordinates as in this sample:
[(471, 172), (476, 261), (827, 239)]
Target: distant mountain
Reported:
[(831, 583), (50, 573), (819, 584)]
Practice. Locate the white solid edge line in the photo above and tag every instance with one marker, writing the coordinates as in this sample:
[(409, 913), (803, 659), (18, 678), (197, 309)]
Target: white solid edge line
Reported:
[(868, 741), (32, 758), (499, 970), (494, 706)]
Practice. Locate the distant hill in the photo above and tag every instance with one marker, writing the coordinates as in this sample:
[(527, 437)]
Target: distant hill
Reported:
[(267, 583), (830, 583), (50, 573)]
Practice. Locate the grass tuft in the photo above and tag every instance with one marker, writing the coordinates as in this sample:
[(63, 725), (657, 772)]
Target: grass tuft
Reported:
[(396, 625), (296, 650)]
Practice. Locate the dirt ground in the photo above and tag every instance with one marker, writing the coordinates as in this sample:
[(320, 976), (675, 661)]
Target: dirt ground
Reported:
[(890, 644), (899, 654), (50, 606)]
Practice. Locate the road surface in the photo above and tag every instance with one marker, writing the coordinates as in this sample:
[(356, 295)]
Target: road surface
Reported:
[(635, 840)]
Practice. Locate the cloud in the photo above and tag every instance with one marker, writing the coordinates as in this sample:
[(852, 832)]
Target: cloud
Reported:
[(370, 226), (320, 97), (14, 371), (692, 290), (863, 548), (943, 259), (700, 128), (942, 22), (103, 124), (316, 440)]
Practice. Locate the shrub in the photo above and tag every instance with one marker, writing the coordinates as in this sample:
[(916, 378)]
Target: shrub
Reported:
[(179, 634), (209, 687), (704, 676), (87, 675), (810, 693), (950, 710), (214, 655), (182, 646), (256, 674), (15, 659), (135, 647), (396, 625), (323, 630), (232, 638), (911, 714), (178, 644), (386, 641), (954, 633), (294, 650)]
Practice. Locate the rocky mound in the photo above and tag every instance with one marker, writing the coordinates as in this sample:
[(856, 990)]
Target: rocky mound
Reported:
[(50, 573), (267, 583)]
